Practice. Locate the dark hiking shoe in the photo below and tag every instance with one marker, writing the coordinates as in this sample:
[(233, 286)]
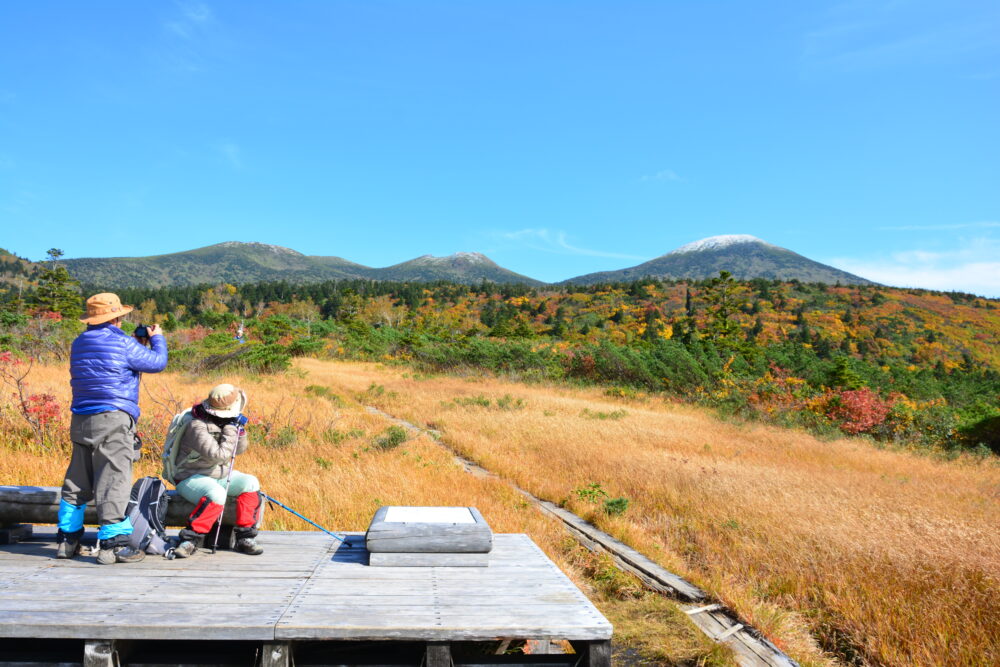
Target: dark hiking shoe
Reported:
[(247, 545), (185, 549), (120, 554), (68, 544)]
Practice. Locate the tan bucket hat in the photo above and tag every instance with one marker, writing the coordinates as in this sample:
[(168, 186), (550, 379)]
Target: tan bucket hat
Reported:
[(104, 307), (225, 401)]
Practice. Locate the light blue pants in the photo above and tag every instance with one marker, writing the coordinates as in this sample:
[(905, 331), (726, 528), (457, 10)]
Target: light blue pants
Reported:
[(196, 487)]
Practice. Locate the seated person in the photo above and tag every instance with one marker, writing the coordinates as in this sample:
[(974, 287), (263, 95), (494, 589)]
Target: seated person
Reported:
[(205, 453)]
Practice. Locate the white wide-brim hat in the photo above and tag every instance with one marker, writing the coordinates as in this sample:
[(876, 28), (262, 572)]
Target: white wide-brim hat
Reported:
[(225, 401)]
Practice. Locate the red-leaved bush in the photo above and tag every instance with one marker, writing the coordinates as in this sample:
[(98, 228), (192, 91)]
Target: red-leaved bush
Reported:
[(858, 410), (43, 408)]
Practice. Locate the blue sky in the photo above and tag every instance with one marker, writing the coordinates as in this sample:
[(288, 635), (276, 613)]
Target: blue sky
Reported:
[(558, 138)]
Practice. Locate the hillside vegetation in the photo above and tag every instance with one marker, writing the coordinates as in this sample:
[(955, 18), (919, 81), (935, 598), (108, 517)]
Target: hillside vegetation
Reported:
[(904, 367)]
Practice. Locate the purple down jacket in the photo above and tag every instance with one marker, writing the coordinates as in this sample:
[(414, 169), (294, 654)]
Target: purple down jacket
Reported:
[(104, 367)]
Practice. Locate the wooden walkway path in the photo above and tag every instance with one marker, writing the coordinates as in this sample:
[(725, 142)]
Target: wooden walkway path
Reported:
[(749, 646), (305, 586)]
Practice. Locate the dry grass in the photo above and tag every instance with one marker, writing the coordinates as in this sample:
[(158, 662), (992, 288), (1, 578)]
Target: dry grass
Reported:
[(314, 450), (885, 557)]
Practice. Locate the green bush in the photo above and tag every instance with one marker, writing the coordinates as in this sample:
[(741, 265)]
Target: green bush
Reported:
[(391, 438), (591, 493), (508, 402), (327, 393), (596, 414), (616, 506), (281, 438)]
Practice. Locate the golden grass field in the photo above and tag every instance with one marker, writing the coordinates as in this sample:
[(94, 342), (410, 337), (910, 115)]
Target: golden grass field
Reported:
[(332, 474), (886, 557)]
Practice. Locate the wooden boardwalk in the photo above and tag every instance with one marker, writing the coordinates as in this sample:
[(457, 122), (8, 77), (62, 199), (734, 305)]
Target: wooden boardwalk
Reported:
[(305, 587)]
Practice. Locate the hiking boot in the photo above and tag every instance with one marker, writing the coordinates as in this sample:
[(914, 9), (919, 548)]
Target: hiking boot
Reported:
[(188, 542), (248, 545), (120, 554), (68, 544), (185, 549)]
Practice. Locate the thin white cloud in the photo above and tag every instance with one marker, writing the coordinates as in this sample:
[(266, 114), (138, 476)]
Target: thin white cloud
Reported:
[(192, 38), (231, 153), (191, 18), (555, 241), (985, 224), (973, 266), (666, 175), (870, 35)]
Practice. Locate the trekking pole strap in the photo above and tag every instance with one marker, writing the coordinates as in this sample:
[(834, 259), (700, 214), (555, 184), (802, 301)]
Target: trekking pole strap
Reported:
[(281, 504)]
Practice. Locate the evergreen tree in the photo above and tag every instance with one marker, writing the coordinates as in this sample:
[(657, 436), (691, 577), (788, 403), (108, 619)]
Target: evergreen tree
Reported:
[(843, 375), (57, 291), (722, 295)]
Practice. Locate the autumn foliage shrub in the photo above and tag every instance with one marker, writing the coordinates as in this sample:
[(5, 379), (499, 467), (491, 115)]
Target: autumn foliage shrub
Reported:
[(858, 410)]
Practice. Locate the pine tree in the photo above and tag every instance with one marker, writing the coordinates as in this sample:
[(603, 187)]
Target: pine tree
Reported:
[(722, 294), (57, 291)]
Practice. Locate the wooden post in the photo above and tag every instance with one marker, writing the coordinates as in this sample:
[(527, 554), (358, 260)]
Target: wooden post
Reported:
[(103, 652), (438, 655), (278, 654), (11, 533), (593, 654)]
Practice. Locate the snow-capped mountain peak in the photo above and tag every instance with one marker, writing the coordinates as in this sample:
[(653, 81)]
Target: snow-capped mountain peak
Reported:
[(718, 242)]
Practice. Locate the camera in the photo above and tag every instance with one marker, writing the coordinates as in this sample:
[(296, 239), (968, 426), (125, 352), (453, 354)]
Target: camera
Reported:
[(141, 331)]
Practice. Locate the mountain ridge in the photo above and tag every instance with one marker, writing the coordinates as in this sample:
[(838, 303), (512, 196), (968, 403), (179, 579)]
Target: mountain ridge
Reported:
[(744, 256), (237, 262)]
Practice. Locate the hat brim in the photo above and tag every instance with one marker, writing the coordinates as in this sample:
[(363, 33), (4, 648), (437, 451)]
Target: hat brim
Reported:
[(231, 412), (107, 317)]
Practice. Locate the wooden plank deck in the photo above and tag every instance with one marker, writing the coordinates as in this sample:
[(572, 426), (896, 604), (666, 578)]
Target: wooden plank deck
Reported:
[(305, 586)]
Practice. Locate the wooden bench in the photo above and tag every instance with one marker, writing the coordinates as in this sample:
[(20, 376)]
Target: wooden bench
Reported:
[(23, 506)]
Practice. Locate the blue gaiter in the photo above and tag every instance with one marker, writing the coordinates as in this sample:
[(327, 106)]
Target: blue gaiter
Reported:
[(71, 516)]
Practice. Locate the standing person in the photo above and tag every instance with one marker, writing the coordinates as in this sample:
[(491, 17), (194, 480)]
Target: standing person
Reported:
[(105, 368), (206, 452)]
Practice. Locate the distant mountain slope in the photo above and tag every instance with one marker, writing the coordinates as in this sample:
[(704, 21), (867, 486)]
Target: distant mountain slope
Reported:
[(17, 270), (232, 262), (744, 256), (236, 262), (460, 267)]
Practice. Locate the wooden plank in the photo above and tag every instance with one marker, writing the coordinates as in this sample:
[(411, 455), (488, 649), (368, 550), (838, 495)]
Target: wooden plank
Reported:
[(137, 584), (61, 625), (84, 577), (627, 558), (481, 606), (428, 560), (749, 647), (449, 630)]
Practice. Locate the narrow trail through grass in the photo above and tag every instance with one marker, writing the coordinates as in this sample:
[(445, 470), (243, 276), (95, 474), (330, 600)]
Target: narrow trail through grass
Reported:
[(876, 555)]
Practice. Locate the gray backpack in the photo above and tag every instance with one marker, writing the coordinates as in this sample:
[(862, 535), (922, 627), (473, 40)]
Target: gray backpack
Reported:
[(175, 432), (147, 510)]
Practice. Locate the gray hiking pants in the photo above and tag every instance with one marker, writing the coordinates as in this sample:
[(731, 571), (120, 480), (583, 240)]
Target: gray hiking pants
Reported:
[(104, 448)]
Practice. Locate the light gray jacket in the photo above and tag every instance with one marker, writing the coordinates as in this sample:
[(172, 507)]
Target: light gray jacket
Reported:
[(206, 449)]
